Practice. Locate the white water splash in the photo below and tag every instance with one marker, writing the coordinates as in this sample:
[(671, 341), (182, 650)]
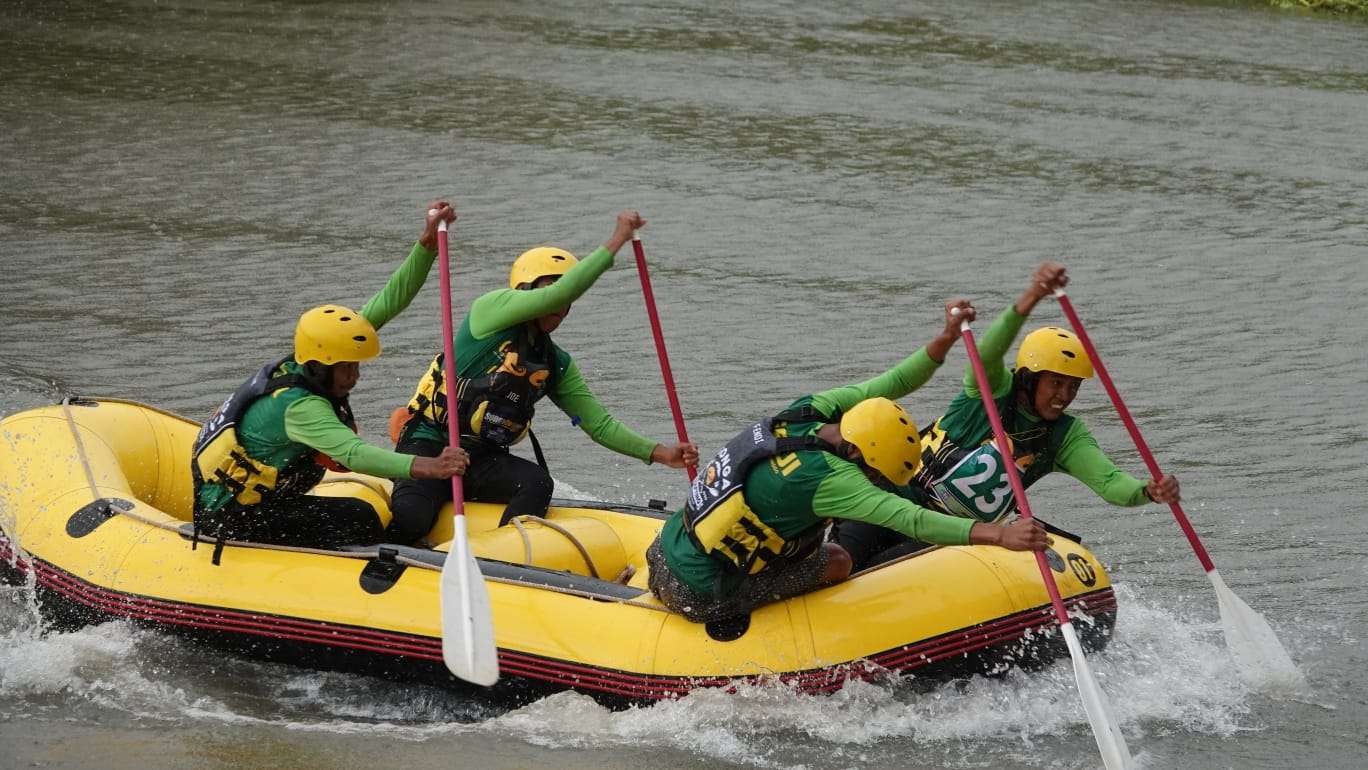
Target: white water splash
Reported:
[(1163, 673), (94, 667), (563, 490)]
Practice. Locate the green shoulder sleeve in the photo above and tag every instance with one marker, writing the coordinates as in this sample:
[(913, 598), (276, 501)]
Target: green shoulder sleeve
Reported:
[(312, 421), (846, 494), (908, 375), (1080, 457), (401, 288), (573, 397), (993, 347), (499, 309)]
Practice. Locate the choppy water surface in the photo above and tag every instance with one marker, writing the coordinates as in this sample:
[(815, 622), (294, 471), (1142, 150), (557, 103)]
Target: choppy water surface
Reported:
[(181, 179)]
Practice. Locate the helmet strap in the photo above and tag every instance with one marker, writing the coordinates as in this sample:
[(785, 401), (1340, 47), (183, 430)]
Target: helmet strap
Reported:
[(852, 453)]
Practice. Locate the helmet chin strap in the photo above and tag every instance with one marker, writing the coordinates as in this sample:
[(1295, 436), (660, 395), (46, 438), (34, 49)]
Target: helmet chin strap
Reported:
[(850, 452)]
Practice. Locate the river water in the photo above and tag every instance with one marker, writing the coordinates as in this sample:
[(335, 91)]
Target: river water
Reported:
[(181, 178)]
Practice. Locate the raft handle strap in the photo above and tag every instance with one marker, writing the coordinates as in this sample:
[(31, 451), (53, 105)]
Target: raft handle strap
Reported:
[(1064, 533), (220, 537), (81, 451), (517, 522)]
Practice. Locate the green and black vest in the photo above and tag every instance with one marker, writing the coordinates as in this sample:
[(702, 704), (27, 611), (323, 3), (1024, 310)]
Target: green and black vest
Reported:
[(496, 407)]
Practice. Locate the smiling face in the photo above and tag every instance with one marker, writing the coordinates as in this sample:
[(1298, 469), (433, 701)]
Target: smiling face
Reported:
[(1053, 394)]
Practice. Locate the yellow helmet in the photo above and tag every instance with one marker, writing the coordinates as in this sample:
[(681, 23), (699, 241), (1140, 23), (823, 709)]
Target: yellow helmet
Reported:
[(886, 436), (332, 334), (539, 263), (1052, 349)]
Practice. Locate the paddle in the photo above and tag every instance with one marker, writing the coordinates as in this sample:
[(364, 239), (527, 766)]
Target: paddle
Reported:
[(1115, 755), (1256, 649), (467, 626), (660, 347)]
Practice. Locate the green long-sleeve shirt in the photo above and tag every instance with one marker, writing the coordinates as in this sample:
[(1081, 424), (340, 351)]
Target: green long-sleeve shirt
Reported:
[(495, 317), (1078, 455), (799, 494)]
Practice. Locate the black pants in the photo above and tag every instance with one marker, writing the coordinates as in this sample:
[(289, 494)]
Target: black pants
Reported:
[(870, 544), (308, 521), (495, 475)]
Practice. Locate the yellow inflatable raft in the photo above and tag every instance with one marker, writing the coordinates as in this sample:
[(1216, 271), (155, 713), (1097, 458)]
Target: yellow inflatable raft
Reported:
[(95, 500)]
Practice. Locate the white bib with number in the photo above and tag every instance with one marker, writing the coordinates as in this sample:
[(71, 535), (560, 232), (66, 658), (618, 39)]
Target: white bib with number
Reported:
[(976, 487)]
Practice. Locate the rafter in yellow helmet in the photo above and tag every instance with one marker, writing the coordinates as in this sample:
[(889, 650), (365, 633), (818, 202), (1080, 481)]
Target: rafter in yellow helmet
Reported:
[(331, 334), (887, 437)]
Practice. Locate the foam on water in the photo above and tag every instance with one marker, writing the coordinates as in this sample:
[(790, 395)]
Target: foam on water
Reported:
[(563, 490), (99, 668), (1163, 673)]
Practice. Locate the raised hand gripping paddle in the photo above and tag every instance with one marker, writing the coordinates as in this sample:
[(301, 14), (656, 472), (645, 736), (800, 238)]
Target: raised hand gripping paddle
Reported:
[(1110, 742), (664, 357), (467, 624), (1258, 654)]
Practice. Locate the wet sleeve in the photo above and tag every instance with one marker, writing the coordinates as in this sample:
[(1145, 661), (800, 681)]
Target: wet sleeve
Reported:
[(846, 494), (993, 347), (312, 421), (1080, 457), (573, 397), (910, 373), (503, 308), (401, 288)]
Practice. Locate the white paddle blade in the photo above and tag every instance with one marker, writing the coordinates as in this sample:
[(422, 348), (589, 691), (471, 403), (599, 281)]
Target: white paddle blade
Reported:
[(1259, 656), (1110, 743), (467, 624)]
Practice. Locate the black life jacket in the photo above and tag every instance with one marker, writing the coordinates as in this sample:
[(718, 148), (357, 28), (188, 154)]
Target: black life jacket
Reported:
[(496, 408)]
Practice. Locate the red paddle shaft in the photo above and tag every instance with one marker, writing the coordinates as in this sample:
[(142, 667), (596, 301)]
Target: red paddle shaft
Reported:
[(660, 347), (1004, 448), (449, 367), (1132, 428)]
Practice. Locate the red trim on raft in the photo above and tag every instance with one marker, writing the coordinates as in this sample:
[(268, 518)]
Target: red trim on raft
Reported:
[(576, 675)]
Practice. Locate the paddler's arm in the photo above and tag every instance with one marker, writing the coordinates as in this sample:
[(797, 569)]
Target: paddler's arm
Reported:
[(503, 308), (847, 494), (1081, 457), (994, 343), (408, 279), (908, 375), (993, 347), (311, 421), (574, 398)]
